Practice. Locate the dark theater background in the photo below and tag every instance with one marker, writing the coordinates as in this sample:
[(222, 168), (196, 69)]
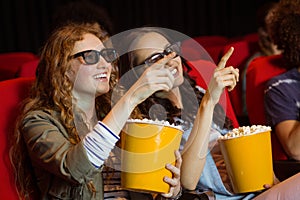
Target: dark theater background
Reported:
[(25, 24)]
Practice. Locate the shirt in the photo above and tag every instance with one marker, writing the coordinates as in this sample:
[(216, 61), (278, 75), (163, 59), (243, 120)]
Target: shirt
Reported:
[(282, 97)]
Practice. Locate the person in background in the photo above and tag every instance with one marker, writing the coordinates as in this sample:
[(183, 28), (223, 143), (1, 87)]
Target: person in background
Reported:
[(82, 12), (67, 127), (282, 93), (265, 45)]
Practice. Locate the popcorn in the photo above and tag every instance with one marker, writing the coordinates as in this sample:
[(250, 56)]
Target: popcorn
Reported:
[(158, 122), (245, 130)]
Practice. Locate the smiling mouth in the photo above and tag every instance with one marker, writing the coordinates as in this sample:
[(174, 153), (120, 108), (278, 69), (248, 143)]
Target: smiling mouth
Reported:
[(101, 76)]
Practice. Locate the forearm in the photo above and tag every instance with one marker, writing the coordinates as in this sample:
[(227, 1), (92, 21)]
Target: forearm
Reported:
[(120, 113), (295, 149), (291, 144), (288, 189), (102, 139), (195, 150)]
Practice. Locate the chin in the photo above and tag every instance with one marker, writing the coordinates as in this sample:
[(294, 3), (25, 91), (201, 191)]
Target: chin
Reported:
[(102, 91)]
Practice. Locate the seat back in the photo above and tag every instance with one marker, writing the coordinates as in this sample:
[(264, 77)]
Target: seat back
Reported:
[(28, 69), (202, 71), (211, 40), (260, 70), (12, 92), (11, 62), (192, 50), (252, 39), (213, 44)]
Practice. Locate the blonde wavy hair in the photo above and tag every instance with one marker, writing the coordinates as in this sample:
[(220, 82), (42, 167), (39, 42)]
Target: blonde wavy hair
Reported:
[(52, 90)]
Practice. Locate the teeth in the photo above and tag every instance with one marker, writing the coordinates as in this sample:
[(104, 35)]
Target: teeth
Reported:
[(174, 71), (101, 76)]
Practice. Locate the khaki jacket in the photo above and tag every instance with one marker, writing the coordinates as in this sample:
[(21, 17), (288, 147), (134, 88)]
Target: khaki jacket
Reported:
[(62, 170)]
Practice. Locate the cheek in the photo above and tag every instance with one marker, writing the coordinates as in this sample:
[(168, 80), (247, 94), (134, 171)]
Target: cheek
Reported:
[(72, 73), (84, 82), (179, 63), (84, 75), (179, 80)]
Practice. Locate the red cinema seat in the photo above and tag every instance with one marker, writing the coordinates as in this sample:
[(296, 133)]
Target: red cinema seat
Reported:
[(210, 48), (213, 44), (12, 91), (260, 70), (11, 62), (252, 39), (191, 50), (28, 69), (211, 40)]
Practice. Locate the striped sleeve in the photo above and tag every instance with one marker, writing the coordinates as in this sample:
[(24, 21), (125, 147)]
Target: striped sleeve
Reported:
[(99, 143)]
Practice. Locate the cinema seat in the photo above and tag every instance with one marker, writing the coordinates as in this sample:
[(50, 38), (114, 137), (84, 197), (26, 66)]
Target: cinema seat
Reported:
[(11, 62), (12, 92)]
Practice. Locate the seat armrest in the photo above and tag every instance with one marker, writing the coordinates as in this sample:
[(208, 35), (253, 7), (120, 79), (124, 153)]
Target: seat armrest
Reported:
[(284, 169)]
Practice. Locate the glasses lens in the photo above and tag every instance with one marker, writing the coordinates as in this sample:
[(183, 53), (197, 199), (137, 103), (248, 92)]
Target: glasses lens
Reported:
[(154, 58), (91, 57), (173, 48), (109, 55)]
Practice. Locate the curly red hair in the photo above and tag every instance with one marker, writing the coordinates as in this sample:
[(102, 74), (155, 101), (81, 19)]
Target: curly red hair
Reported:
[(52, 90)]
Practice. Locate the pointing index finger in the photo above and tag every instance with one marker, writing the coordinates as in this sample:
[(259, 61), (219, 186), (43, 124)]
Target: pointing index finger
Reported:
[(225, 58)]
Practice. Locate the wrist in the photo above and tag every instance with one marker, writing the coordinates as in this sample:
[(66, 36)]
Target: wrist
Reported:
[(129, 100), (209, 100), (179, 194)]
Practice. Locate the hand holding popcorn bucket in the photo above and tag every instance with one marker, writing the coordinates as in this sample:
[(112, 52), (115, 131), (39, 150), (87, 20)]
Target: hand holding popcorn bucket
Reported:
[(147, 146), (248, 158)]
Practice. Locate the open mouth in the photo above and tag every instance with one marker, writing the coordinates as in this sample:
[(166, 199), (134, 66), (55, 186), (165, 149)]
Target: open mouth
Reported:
[(102, 76)]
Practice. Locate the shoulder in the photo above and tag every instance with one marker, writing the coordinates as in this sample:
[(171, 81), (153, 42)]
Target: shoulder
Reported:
[(276, 78), (42, 114), (287, 76), (38, 118)]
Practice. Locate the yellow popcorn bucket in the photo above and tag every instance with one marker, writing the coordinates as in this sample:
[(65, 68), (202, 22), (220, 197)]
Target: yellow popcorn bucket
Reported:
[(146, 149), (248, 161)]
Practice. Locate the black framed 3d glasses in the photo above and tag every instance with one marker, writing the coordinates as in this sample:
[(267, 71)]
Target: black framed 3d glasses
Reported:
[(91, 57), (175, 47)]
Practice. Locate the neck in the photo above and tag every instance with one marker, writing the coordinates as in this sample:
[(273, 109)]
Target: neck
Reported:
[(86, 104)]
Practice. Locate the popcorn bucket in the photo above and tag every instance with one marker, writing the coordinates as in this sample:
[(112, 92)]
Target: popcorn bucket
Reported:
[(248, 161), (146, 149)]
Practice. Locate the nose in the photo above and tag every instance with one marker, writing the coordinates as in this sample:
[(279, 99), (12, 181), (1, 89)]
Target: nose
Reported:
[(103, 63)]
